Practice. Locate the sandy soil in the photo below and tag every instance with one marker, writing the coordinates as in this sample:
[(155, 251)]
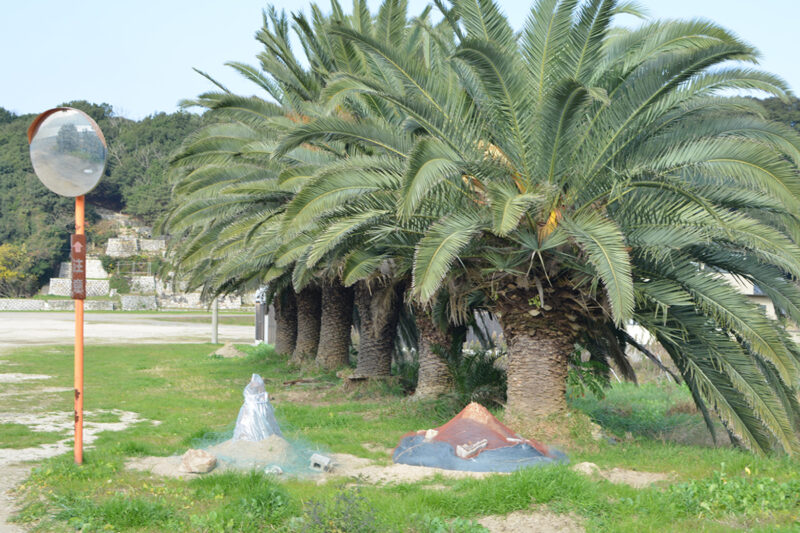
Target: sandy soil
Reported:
[(634, 478), (12, 476), (344, 465), (15, 377), (532, 522), (37, 328)]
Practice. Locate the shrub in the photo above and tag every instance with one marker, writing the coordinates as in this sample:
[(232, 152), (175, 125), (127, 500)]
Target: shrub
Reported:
[(15, 277), (120, 283), (477, 377)]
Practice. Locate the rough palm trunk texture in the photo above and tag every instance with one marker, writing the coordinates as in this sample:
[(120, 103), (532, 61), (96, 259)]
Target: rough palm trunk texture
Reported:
[(308, 322), (538, 355), (434, 374), (378, 312), (285, 322), (337, 317)]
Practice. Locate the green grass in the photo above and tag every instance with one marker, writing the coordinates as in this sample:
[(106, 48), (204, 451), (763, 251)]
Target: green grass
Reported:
[(228, 320), (196, 399), (20, 436)]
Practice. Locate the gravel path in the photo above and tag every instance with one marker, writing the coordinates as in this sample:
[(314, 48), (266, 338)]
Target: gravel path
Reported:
[(38, 328)]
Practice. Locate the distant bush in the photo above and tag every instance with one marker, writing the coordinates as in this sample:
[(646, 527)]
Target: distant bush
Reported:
[(109, 263), (120, 283), (16, 279)]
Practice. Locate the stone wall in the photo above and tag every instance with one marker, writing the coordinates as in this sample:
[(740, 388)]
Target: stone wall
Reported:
[(132, 302), (122, 247), (20, 304), (192, 301), (152, 245), (94, 269), (128, 246), (94, 287), (143, 284)]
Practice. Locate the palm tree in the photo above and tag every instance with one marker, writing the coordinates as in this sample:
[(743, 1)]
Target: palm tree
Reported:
[(350, 210), (260, 247), (589, 176)]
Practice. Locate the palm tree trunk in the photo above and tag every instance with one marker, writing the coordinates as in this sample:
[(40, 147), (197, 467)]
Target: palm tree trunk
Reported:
[(539, 348), (285, 322), (308, 323), (337, 317), (434, 374), (378, 312)]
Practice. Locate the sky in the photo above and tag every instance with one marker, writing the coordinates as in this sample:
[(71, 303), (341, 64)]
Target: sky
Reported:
[(138, 56)]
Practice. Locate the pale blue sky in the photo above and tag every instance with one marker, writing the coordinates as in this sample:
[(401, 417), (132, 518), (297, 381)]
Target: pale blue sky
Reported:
[(138, 56)]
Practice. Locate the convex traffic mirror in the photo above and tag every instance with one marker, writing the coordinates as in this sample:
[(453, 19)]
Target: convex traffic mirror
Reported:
[(68, 151)]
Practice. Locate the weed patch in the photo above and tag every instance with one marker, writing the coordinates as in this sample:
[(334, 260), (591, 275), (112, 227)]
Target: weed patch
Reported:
[(723, 494)]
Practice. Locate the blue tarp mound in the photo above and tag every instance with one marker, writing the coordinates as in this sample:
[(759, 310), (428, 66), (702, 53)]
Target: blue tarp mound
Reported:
[(474, 440)]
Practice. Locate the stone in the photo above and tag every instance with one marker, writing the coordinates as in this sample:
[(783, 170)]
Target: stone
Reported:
[(198, 462), (430, 434)]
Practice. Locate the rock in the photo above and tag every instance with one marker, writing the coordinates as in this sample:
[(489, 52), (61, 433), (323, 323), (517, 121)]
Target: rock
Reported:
[(430, 434), (198, 462), (589, 469), (229, 351)]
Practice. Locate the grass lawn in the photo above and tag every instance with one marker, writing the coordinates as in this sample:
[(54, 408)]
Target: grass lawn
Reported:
[(224, 319), (196, 398)]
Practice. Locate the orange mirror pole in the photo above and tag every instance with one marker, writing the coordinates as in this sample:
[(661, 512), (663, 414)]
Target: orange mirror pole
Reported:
[(79, 230)]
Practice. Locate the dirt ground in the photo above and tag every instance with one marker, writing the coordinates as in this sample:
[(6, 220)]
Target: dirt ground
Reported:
[(12, 476), (532, 522), (634, 478)]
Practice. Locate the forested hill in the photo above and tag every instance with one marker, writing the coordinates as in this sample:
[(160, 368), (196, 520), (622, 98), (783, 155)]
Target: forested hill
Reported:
[(38, 221)]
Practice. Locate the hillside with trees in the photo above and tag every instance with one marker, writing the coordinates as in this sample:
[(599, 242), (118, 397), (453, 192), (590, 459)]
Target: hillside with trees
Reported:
[(35, 223)]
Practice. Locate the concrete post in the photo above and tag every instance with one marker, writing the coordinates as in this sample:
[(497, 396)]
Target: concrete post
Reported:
[(272, 326), (215, 322), (260, 309)]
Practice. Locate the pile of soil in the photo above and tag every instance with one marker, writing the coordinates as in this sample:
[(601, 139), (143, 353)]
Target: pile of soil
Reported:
[(247, 454), (229, 351)]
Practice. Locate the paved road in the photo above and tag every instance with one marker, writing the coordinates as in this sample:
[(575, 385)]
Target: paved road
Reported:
[(37, 328)]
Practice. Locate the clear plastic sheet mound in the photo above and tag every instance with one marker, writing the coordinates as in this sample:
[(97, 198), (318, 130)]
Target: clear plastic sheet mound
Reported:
[(256, 420), (257, 441), (474, 440)]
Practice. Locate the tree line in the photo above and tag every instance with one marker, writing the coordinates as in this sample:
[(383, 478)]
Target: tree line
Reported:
[(568, 179)]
